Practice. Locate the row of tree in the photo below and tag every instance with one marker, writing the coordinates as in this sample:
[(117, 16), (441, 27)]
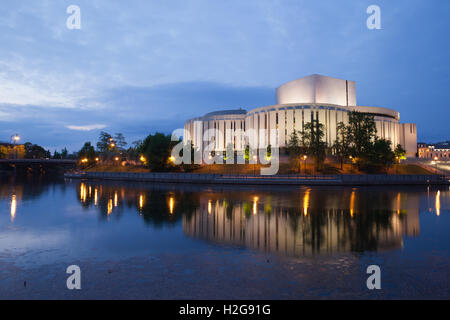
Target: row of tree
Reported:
[(153, 152), (29, 150), (356, 141)]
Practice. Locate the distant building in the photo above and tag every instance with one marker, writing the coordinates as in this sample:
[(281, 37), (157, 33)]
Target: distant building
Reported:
[(315, 97), (441, 151)]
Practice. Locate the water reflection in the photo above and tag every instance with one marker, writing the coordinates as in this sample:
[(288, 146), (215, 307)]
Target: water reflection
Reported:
[(13, 207), (308, 221), (156, 207), (335, 222), (289, 222)]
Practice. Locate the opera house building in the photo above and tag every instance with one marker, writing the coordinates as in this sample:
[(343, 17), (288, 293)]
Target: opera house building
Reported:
[(315, 97)]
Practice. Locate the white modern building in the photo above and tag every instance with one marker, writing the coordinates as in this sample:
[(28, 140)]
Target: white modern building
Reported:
[(315, 97)]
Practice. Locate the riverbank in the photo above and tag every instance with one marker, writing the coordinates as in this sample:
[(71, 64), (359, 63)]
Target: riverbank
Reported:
[(343, 179)]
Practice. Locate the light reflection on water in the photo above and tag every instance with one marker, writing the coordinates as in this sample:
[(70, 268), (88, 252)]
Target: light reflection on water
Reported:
[(288, 222)]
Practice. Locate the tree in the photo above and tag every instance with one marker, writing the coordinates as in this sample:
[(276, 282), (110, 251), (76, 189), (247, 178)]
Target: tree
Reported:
[(341, 145), (105, 142), (312, 139), (34, 151), (64, 153), (157, 148), (120, 142), (229, 152), (295, 150), (400, 153), (269, 151), (133, 151), (362, 133), (381, 156), (87, 154), (247, 153)]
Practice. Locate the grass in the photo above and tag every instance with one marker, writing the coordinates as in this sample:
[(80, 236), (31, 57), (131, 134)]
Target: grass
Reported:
[(117, 168), (285, 168), (408, 169)]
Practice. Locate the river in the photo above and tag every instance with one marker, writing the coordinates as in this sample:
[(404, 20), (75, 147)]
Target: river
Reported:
[(168, 241)]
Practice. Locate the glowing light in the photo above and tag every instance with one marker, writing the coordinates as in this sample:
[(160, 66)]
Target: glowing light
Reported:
[(95, 197), (89, 191), (110, 206), (83, 192), (352, 204), (97, 159), (306, 202), (398, 203), (209, 207), (141, 202), (115, 199), (171, 205), (142, 158), (438, 203), (116, 158), (13, 207), (255, 205), (171, 158)]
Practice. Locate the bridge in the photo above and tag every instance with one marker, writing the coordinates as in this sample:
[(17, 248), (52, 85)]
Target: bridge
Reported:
[(37, 165)]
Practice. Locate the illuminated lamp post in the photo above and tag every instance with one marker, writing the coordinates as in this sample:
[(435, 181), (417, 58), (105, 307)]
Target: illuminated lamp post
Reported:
[(304, 161), (15, 138), (435, 164)]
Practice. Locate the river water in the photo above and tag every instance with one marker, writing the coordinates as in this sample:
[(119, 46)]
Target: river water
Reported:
[(166, 241)]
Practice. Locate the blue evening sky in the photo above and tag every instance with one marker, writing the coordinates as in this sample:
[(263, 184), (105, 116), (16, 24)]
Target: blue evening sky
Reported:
[(138, 67)]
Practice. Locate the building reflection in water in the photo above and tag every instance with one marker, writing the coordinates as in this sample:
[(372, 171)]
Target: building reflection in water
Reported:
[(156, 207), (304, 222), (339, 222)]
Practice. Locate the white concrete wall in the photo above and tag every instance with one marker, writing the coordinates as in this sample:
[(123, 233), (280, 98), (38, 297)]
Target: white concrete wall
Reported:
[(317, 89)]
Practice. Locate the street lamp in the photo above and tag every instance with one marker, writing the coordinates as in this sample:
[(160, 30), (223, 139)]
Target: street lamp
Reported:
[(15, 138), (304, 160), (435, 163)]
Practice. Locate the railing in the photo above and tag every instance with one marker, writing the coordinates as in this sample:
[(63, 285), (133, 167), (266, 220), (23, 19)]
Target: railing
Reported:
[(275, 179)]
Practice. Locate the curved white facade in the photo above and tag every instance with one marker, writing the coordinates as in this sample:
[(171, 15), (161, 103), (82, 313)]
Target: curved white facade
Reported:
[(315, 97)]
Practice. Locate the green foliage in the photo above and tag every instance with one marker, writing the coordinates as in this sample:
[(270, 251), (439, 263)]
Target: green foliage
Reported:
[(269, 151), (247, 153), (315, 147), (34, 151), (310, 143), (362, 132), (64, 154), (400, 153), (341, 146), (87, 151), (104, 142), (157, 148), (120, 142), (381, 156), (371, 153)]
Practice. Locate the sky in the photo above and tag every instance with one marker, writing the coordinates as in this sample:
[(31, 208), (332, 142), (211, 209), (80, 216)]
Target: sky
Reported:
[(138, 67)]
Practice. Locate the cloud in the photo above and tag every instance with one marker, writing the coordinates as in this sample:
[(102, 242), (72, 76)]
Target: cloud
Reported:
[(147, 67), (86, 127)]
